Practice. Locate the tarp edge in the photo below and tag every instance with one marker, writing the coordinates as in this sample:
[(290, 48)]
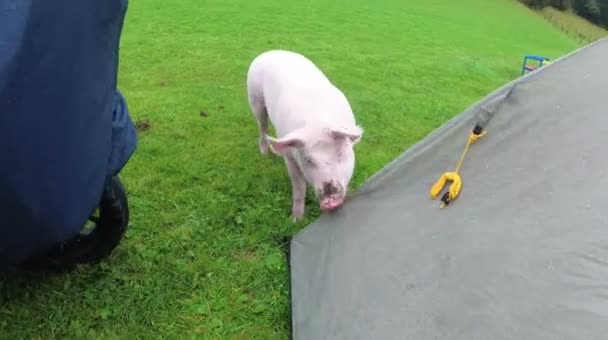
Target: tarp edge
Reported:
[(470, 110)]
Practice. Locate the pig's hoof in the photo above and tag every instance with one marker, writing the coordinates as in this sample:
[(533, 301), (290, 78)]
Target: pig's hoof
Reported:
[(297, 214), (264, 149), (263, 145)]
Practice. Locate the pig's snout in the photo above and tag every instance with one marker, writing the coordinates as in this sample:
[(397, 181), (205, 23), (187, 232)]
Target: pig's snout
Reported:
[(331, 196)]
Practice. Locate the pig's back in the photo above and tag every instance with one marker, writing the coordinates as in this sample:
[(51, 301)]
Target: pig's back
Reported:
[(287, 69), (293, 89), (277, 70)]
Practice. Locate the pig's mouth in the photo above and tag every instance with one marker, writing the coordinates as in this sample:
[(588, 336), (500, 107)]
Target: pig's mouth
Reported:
[(329, 204), (331, 196)]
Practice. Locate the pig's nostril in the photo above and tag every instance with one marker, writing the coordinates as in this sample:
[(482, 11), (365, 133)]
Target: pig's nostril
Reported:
[(327, 187)]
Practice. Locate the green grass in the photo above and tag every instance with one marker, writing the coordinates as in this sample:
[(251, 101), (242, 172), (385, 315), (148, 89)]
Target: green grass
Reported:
[(574, 26), (203, 256)]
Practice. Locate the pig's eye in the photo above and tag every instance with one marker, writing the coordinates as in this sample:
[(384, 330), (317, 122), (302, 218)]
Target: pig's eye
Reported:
[(309, 161)]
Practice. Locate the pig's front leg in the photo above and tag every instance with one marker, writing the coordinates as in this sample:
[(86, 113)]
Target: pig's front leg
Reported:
[(298, 188)]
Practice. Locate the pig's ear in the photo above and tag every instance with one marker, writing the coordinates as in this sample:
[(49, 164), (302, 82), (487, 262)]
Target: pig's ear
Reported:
[(353, 133), (281, 145)]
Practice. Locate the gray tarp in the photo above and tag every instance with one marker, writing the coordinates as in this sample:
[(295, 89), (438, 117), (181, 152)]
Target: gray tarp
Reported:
[(521, 254)]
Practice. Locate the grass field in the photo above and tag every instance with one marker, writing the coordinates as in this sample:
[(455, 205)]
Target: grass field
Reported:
[(203, 257)]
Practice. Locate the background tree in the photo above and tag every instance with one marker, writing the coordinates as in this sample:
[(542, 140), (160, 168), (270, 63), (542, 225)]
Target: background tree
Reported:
[(595, 11)]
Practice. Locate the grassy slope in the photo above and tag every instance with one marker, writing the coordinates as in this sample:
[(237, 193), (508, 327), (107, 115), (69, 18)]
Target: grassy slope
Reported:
[(203, 257), (574, 26)]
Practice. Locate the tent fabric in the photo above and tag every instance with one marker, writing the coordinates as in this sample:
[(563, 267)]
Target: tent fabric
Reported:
[(521, 254), (64, 127)]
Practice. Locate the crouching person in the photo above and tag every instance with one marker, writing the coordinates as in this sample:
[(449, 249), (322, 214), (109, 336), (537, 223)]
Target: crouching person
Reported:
[(65, 131)]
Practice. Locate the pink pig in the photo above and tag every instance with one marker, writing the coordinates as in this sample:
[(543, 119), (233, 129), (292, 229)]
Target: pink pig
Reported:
[(315, 126)]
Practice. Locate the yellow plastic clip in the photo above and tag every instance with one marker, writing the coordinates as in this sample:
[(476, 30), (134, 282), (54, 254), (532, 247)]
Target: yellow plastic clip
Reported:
[(453, 191), (454, 177)]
